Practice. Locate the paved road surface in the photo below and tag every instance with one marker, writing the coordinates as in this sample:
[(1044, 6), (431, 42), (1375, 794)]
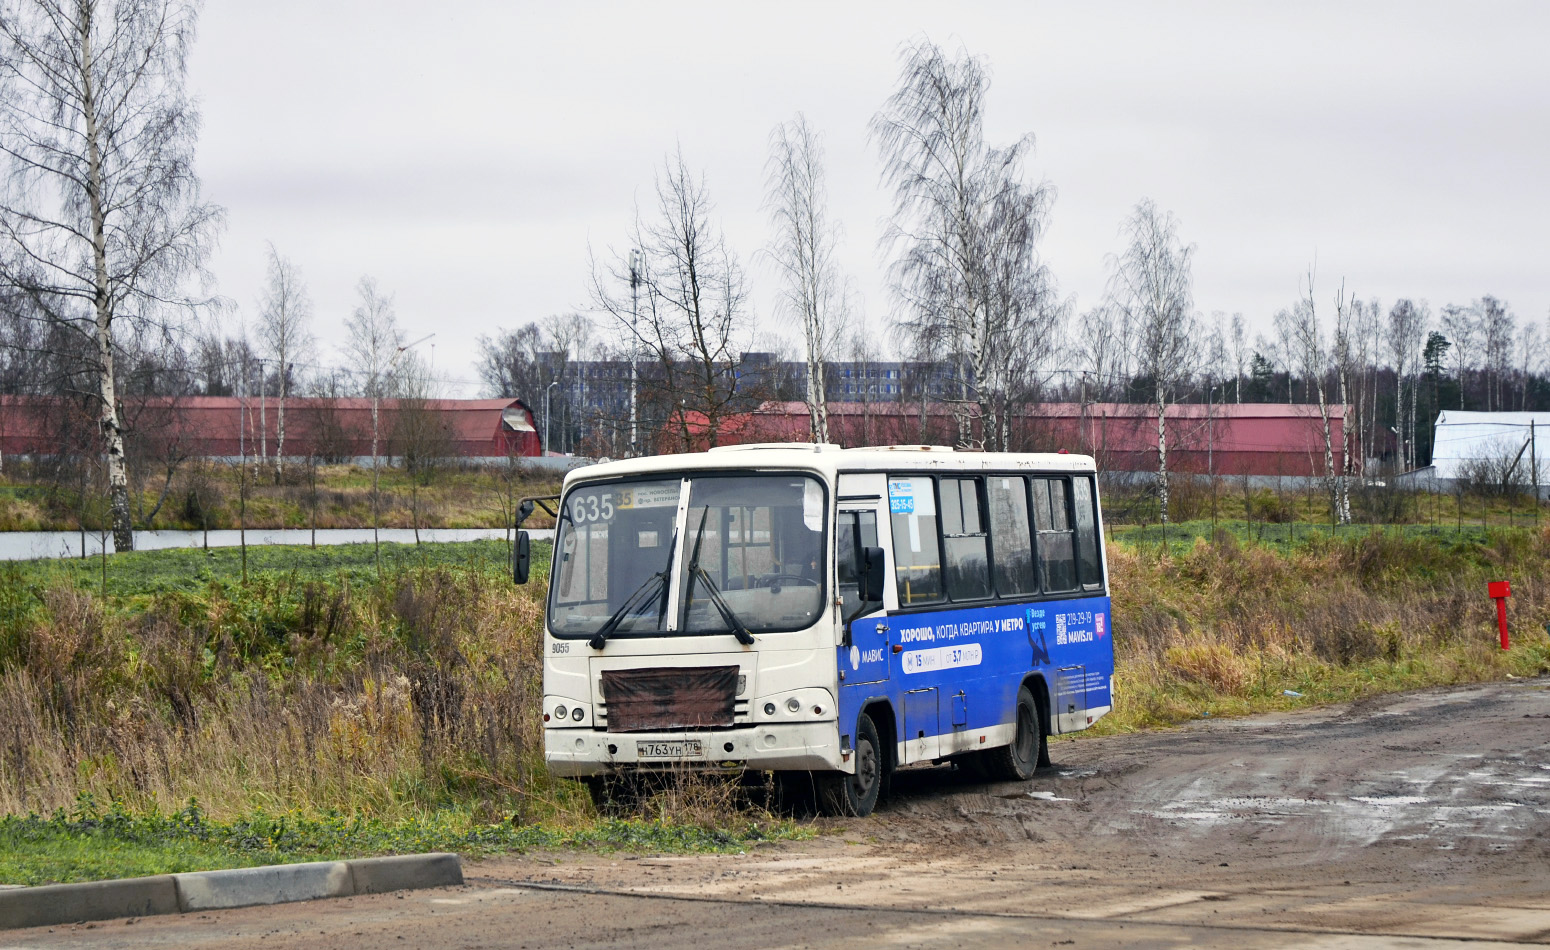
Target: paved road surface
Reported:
[(1413, 821)]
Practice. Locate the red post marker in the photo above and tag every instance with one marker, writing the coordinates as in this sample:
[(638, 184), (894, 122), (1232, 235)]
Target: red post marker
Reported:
[(1500, 591)]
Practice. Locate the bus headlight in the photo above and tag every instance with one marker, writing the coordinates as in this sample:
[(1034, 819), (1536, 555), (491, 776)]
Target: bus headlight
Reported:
[(560, 712), (577, 713), (798, 705)]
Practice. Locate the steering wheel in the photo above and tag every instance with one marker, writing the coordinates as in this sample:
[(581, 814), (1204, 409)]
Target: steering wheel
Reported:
[(774, 581)]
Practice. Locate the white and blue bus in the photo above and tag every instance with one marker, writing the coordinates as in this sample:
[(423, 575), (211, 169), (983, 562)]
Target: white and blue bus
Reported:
[(837, 612)]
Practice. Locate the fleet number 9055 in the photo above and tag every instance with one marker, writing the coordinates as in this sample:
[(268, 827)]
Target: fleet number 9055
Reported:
[(559, 647)]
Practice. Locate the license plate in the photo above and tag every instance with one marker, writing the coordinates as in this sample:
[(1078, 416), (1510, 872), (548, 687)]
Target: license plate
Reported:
[(667, 750)]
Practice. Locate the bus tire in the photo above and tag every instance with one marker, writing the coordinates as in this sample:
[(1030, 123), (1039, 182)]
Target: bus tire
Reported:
[(854, 796), (1030, 746)]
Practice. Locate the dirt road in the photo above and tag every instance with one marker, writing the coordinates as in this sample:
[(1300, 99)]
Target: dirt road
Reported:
[(1410, 821)]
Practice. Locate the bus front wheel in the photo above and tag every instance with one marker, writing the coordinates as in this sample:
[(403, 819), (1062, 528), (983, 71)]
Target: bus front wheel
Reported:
[(612, 795), (854, 796), (1030, 746)]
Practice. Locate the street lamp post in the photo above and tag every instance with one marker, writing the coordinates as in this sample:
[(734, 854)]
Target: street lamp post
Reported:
[(547, 391), (377, 378)]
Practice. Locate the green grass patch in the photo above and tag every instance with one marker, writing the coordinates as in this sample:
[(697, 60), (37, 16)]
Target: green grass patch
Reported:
[(209, 495), (1289, 537), (142, 574), (90, 844)]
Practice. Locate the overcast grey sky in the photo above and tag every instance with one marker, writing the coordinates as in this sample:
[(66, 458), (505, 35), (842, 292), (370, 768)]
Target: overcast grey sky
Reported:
[(467, 153)]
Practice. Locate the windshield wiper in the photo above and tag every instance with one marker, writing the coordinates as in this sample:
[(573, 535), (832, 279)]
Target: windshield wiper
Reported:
[(637, 599), (697, 573), (728, 615), (630, 603)]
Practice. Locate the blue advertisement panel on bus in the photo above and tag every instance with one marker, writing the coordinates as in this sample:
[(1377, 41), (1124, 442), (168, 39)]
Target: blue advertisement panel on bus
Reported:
[(972, 661)]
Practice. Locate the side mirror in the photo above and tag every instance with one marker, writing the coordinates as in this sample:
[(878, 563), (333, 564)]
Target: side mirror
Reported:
[(873, 571), (521, 562)]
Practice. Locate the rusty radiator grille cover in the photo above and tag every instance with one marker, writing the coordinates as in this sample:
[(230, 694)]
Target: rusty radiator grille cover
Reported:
[(674, 697)]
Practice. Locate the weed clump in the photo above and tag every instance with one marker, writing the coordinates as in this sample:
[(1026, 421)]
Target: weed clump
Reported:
[(1226, 625), (410, 693)]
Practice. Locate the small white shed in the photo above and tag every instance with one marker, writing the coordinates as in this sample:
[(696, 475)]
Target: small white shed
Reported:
[(1467, 440)]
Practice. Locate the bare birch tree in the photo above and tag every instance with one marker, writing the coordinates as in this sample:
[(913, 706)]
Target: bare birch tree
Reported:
[(284, 315), (694, 314), (1237, 342), (1497, 328), (101, 214), (1101, 343), (1014, 341), (1459, 323), (567, 339), (1406, 332), (1344, 347), (373, 347), (803, 249), (1284, 352), (965, 232), (375, 342), (1530, 349), (1313, 358), (1102, 348), (1150, 282), (420, 434), (1368, 328)]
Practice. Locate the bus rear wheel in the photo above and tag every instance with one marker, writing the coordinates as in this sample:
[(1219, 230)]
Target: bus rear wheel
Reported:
[(1030, 746), (854, 796)]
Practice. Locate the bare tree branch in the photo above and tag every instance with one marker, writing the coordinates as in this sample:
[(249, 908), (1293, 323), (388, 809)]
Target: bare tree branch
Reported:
[(100, 202)]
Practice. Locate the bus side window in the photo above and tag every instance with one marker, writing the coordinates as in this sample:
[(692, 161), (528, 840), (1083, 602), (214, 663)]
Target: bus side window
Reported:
[(917, 561), (1086, 533), (963, 540), (1009, 536), (857, 530), (1057, 561)]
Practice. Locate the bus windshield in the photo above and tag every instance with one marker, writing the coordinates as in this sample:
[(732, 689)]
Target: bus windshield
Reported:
[(749, 560)]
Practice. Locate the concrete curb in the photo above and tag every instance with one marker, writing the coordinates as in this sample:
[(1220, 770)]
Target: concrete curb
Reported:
[(217, 890), (94, 900), (274, 884), (405, 872)]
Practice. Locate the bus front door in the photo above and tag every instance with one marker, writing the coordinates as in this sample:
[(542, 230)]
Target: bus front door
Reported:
[(864, 635)]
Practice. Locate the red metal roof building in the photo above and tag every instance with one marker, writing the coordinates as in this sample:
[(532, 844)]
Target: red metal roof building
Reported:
[(1264, 439), (227, 427)]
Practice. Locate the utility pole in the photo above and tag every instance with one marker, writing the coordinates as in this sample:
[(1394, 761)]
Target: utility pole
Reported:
[(1533, 462), (1211, 448), (634, 348)]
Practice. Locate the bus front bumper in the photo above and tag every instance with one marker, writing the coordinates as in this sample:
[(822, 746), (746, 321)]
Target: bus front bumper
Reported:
[(775, 746)]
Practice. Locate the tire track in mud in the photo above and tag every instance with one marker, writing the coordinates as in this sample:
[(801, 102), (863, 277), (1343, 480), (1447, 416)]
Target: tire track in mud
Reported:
[(1396, 814)]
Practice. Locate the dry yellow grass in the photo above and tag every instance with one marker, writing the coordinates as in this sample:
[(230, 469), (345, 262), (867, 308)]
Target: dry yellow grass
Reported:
[(396, 696), (431, 701), (1226, 628)]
